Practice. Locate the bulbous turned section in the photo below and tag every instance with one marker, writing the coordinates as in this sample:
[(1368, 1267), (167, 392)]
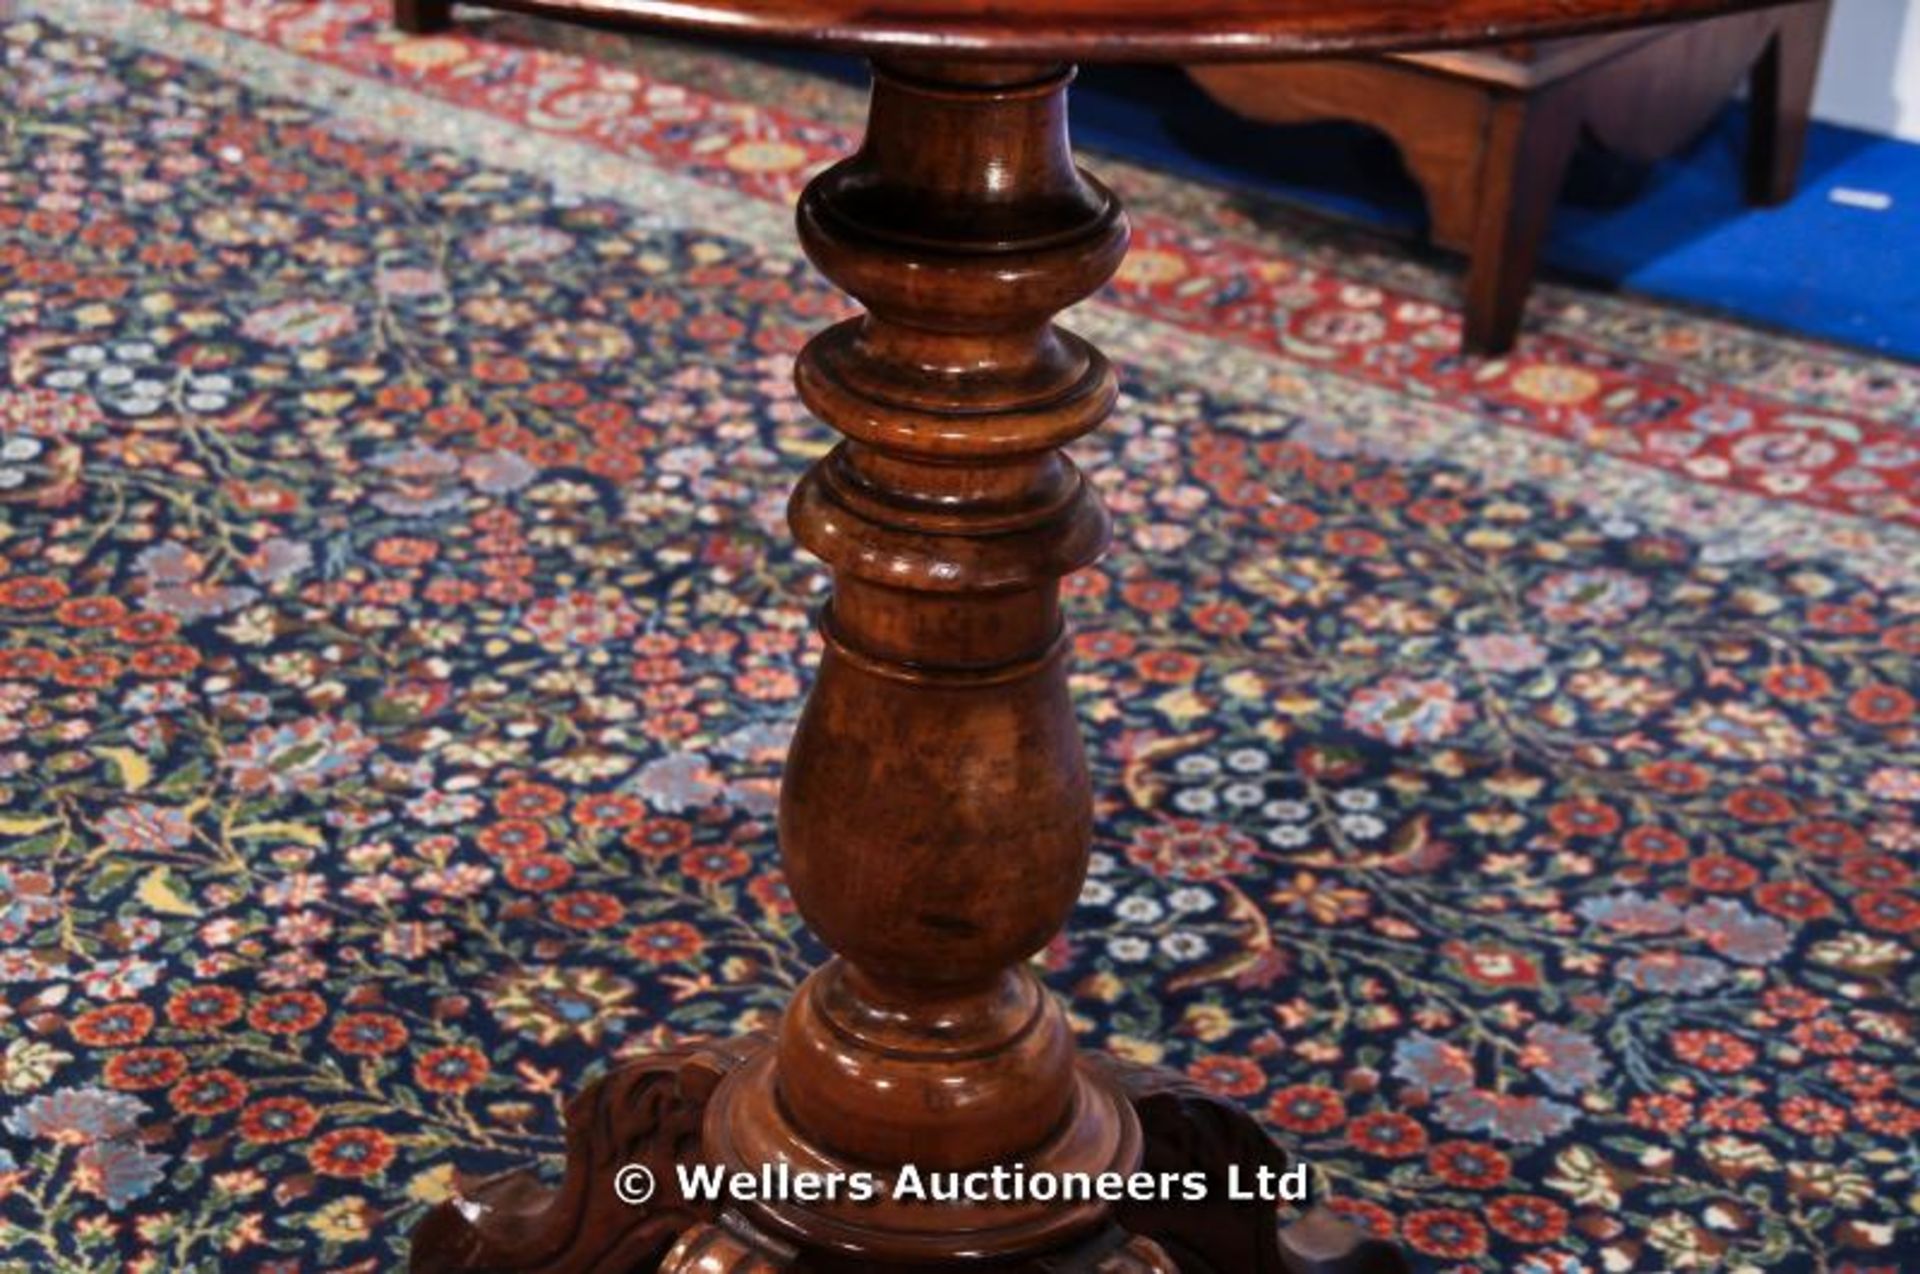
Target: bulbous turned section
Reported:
[(936, 824)]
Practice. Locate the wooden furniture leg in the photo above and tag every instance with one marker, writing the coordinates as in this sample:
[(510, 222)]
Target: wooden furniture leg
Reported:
[(422, 17), (937, 811), (1780, 105), (1530, 142), (648, 1113)]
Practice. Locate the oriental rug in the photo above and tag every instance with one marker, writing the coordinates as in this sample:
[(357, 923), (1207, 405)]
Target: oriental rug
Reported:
[(1508, 771)]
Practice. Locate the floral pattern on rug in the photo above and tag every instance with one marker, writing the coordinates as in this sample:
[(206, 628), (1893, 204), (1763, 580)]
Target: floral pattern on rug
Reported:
[(399, 638), (1853, 453)]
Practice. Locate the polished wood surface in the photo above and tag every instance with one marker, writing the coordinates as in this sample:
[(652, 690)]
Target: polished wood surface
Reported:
[(937, 810), (1488, 133), (1120, 30)]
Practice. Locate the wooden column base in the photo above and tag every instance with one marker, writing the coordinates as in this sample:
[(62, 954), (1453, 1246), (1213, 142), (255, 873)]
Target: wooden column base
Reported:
[(652, 1113)]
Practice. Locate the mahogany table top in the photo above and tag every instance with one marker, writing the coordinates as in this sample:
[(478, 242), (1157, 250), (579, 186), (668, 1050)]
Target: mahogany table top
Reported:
[(1119, 30)]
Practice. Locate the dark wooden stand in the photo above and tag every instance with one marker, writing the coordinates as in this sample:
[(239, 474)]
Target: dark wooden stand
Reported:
[(936, 812), (1488, 134)]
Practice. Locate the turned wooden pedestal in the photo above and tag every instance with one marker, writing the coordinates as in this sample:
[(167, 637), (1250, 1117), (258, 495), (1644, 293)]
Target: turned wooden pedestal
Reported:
[(936, 811)]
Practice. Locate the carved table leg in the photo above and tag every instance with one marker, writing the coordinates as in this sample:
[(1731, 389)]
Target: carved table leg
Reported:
[(647, 1113)]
